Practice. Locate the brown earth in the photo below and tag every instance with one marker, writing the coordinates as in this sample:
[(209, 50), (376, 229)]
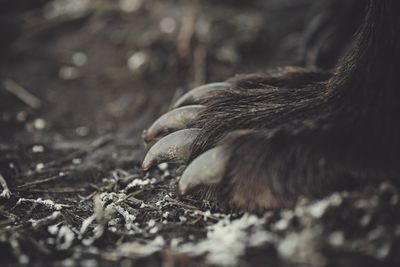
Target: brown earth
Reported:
[(96, 76)]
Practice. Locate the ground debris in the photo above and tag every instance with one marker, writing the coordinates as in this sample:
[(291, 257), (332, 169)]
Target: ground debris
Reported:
[(96, 74)]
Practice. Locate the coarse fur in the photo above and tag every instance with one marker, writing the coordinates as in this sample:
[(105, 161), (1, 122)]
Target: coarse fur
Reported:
[(296, 132)]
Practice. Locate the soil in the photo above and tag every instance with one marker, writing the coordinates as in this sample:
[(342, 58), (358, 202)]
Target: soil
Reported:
[(79, 84)]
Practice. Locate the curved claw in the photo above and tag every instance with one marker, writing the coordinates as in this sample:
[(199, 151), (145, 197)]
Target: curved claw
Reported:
[(174, 147), (174, 120), (206, 169), (199, 93)]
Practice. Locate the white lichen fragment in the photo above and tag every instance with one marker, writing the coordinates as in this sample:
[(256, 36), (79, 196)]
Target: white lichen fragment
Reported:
[(227, 240), (39, 167), (65, 235), (37, 149), (140, 183), (151, 223), (302, 247), (45, 202)]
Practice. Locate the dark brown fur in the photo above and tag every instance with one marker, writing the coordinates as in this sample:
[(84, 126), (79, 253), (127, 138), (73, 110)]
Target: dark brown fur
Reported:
[(307, 132)]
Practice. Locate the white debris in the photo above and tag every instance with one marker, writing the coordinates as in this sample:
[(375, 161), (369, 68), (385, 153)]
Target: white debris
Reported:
[(45, 202), (53, 229), (168, 25), (140, 182), (175, 242), (89, 263), (227, 240), (21, 116), (365, 220), (65, 237), (79, 59), (383, 251), (394, 200), (151, 223), (318, 209), (228, 53), (39, 124), (302, 247), (70, 8), (159, 202), (369, 203), (129, 218), (82, 131), (336, 238), (76, 161), (153, 230), (37, 149), (163, 166), (40, 166), (23, 259), (69, 73), (6, 193), (85, 224), (129, 6), (281, 225), (68, 263), (138, 60)]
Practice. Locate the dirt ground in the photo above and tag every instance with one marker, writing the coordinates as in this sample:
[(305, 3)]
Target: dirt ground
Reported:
[(81, 82)]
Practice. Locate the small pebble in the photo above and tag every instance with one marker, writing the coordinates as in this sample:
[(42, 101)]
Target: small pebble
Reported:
[(167, 25), (79, 59), (82, 131), (39, 166), (336, 238), (137, 61), (39, 124), (21, 116), (37, 149), (129, 6)]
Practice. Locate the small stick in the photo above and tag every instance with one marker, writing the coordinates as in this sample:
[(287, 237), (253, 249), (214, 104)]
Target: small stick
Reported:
[(55, 190), (80, 153), (23, 94), (190, 207), (89, 197), (185, 35), (41, 181)]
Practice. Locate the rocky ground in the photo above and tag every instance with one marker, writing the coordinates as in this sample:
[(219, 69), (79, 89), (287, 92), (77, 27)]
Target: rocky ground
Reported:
[(79, 84)]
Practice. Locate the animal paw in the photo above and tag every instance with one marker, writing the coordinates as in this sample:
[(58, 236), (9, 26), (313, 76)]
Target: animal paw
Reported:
[(251, 142)]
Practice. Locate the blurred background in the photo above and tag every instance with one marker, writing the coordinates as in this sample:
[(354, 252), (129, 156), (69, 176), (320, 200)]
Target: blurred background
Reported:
[(92, 67)]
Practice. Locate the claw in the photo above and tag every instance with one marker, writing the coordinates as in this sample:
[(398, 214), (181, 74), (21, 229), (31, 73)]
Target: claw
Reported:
[(174, 120), (174, 147), (199, 93), (206, 169)]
